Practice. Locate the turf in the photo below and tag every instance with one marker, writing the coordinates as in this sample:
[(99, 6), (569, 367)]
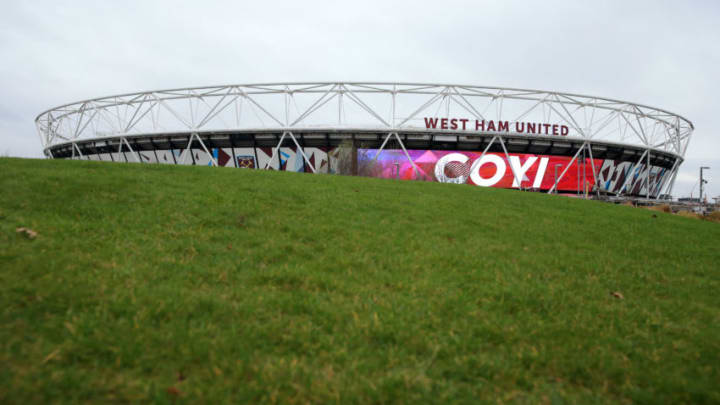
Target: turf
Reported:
[(168, 284)]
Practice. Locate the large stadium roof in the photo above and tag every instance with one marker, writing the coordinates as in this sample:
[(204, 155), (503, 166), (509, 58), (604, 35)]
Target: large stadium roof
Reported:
[(361, 106)]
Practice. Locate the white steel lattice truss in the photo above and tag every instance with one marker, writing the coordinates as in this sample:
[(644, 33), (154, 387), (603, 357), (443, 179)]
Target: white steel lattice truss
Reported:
[(389, 108)]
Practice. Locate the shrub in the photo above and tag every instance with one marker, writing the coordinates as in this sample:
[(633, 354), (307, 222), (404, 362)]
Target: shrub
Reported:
[(713, 216), (688, 214), (661, 208)]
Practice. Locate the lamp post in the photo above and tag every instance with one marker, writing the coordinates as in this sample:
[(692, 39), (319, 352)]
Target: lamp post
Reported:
[(584, 171), (702, 181), (556, 178)]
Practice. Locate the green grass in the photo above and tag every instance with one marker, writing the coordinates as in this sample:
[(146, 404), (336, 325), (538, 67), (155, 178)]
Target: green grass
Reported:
[(205, 285)]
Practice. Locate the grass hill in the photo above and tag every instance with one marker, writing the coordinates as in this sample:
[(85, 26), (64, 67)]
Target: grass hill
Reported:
[(168, 284)]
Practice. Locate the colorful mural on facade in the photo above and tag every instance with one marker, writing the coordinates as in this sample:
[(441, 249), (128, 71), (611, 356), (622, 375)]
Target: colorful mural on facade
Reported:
[(460, 167), (496, 170)]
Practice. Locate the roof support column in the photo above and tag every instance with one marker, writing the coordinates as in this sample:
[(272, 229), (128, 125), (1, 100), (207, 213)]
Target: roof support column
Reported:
[(566, 168), (402, 146), (592, 165), (212, 159), (512, 167), (647, 190), (275, 151), (631, 173), (301, 151), (74, 148), (665, 181)]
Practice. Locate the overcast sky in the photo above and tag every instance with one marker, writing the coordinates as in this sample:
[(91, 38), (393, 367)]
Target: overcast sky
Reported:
[(661, 53)]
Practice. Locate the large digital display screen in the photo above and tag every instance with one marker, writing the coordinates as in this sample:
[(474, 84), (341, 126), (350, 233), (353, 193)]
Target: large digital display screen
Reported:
[(528, 171)]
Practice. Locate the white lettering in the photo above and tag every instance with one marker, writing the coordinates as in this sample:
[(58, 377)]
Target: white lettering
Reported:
[(440, 168), (499, 170), (520, 170), (540, 175)]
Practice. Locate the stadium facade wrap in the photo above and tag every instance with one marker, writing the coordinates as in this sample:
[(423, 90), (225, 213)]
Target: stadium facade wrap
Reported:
[(485, 136)]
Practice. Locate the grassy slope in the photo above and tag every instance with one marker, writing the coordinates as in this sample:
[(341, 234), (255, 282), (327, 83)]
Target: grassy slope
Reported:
[(189, 283)]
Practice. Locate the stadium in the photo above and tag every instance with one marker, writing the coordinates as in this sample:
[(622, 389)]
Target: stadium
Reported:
[(485, 136)]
